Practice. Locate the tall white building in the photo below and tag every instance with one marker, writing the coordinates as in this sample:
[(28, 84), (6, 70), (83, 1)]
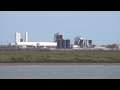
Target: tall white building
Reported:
[(26, 37), (16, 37)]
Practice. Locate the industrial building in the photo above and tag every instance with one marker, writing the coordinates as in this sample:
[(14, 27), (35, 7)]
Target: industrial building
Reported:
[(20, 43), (59, 43)]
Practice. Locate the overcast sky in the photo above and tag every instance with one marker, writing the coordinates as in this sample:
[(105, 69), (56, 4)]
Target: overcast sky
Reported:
[(103, 27)]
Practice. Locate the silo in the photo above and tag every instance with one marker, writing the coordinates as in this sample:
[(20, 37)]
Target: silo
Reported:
[(63, 44), (26, 37), (55, 36), (16, 37), (59, 44), (67, 44)]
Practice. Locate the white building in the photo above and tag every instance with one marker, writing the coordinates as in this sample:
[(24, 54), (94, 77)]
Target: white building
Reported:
[(26, 37), (30, 44)]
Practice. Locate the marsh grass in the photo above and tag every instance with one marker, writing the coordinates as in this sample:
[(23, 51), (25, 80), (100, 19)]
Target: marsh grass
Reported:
[(60, 56)]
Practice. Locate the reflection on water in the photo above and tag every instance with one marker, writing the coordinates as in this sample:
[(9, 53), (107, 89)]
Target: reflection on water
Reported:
[(60, 72)]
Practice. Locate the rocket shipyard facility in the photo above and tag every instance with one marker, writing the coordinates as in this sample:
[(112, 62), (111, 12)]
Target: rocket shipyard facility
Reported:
[(59, 42), (20, 43)]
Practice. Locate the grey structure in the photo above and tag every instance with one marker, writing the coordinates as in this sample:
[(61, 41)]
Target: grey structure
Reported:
[(67, 44), (63, 44)]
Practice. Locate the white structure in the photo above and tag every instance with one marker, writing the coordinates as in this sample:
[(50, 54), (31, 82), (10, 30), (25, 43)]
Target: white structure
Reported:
[(18, 37), (30, 44), (26, 37), (75, 47), (37, 44), (78, 39), (54, 44)]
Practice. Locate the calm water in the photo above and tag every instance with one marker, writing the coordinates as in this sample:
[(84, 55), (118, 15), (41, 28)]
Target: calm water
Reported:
[(60, 72)]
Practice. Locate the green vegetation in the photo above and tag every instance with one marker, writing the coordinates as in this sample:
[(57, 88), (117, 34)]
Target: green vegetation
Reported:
[(60, 56)]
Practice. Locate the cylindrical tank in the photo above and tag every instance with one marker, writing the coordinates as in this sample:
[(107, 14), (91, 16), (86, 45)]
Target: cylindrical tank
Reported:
[(67, 44), (46, 44), (26, 37), (63, 44), (55, 36), (59, 44), (16, 37)]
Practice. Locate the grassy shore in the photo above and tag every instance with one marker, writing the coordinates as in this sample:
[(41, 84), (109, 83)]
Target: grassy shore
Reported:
[(59, 57)]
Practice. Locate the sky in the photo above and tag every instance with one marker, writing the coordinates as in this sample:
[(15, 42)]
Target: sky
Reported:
[(102, 27)]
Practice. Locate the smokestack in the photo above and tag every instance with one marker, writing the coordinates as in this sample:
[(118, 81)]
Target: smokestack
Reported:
[(26, 37)]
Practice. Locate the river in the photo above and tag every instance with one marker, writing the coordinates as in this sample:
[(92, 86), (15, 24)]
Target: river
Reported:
[(59, 71)]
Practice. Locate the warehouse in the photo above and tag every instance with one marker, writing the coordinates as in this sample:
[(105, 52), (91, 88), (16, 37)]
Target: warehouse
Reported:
[(20, 43)]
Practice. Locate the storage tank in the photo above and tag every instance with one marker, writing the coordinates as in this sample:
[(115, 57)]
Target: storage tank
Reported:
[(26, 43), (26, 37), (55, 36), (63, 44), (16, 37), (67, 44), (46, 44), (59, 44)]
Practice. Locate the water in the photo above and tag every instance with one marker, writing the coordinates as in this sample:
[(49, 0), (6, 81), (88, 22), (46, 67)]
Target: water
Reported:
[(60, 72)]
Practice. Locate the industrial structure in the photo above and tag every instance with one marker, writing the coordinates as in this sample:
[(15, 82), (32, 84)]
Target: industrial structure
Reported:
[(81, 42), (58, 36), (26, 37), (59, 43), (20, 43), (63, 44)]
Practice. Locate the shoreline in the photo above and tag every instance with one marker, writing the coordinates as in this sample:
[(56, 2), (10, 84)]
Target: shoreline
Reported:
[(22, 64)]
